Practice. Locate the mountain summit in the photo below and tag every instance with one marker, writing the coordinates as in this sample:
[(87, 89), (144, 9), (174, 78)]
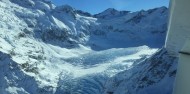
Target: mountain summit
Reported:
[(111, 12)]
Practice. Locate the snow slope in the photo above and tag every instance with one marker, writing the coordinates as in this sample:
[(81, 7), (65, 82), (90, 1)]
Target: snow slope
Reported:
[(46, 49)]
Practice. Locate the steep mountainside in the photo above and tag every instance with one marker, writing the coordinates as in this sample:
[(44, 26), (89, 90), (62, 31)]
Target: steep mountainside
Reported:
[(154, 75), (46, 49)]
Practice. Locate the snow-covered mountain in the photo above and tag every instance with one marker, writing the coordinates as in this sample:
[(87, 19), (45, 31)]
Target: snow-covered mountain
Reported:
[(48, 49)]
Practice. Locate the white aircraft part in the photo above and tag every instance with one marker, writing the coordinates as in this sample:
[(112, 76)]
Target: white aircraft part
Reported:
[(179, 26), (182, 85), (178, 40)]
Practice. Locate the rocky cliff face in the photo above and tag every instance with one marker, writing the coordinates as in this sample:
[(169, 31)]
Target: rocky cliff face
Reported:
[(154, 75)]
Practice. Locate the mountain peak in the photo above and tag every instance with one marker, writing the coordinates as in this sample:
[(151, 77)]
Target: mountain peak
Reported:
[(65, 8), (110, 12)]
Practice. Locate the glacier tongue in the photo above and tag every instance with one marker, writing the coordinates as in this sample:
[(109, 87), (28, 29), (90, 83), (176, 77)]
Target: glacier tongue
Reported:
[(73, 74), (85, 77)]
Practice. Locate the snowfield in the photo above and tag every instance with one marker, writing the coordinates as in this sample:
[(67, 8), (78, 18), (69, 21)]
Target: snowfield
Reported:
[(48, 49)]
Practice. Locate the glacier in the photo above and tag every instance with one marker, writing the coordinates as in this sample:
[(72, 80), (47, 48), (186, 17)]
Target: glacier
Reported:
[(48, 49)]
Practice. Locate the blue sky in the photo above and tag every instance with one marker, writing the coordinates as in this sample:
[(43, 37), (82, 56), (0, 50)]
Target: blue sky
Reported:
[(97, 6)]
